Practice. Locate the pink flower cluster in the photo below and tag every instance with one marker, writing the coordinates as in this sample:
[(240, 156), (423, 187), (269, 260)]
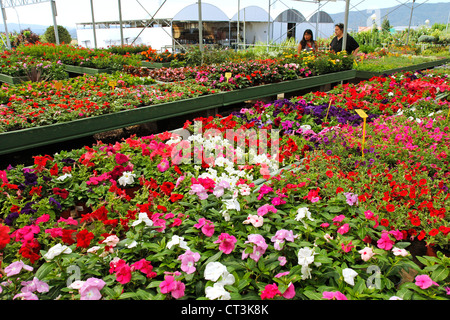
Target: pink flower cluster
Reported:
[(206, 225), (123, 270), (226, 243), (172, 286), (259, 247)]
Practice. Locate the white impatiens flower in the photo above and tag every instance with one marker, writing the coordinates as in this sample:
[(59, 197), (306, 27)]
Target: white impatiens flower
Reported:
[(214, 270), (143, 217), (305, 256), (126, 178), (56, 251), (176, 240), (218, 292), (399, 252), (349, 275), (227, 279), (303, 213)]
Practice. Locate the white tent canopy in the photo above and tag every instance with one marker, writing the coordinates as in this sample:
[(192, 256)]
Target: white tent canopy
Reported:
[(209, 12)]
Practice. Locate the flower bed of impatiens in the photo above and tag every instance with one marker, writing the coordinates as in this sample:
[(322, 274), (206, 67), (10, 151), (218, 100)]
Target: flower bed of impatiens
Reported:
[(307, 218), (242, 74), (34, 104), (69, 55), (30, 105), (15, 65)]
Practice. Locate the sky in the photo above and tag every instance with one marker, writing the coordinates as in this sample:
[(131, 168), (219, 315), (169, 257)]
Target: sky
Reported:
[(69, 12)]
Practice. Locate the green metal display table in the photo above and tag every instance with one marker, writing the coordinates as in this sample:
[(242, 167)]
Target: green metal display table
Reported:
[(416, 67)]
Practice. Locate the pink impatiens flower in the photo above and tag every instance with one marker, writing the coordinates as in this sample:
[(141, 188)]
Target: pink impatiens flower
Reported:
[(226, 243), (424, 281), (366, 253), (206, 225), (259, 247), (344, 229), (281, 236), (121, 269), (90, 289), (385, 242), (270, 291), (172, 286), (255, 220), (15, 268), (264, 209), (188, 260), (333, 295), (34, 285), (145, 267)]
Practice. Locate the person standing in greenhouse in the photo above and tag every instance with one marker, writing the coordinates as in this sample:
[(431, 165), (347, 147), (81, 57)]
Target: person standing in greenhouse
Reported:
[(307, 43), (352, 47)]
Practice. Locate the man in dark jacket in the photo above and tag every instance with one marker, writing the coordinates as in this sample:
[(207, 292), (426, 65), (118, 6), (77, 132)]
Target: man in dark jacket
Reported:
[(352, 47)]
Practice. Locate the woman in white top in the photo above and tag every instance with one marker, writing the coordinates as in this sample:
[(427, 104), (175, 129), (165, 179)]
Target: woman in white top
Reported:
[(307, 43)]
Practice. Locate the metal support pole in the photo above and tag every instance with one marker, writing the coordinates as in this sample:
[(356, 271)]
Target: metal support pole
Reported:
[(200, 29), (268, 27), (317, 18), (244, 32), (344, 39), (120, 20), (55, 25), (8, 42), (238, 34), (409, 25), (93, 24)]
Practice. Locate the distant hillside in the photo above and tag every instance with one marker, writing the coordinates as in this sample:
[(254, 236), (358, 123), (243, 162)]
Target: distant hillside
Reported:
[(36, 28), (399, 15)]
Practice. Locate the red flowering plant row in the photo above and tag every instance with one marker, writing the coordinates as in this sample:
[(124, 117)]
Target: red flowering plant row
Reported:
[(77, 56), (242, 74), (37, 104), (388, 94)]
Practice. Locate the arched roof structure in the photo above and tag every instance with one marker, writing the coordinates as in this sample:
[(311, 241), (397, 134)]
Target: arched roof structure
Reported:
[(252, 14), (323, 17), (290, 16), (209, 13)]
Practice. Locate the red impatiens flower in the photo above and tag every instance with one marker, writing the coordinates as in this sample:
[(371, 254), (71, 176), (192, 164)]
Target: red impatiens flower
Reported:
[(84, 238), (4, 236)]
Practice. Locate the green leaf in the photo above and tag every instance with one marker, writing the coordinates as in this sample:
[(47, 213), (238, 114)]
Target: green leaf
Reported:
[(44, 270), (313, 295), (261, 265), (334, 209), (144, 295), (213, 258), (440, 274), (127, 295)]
